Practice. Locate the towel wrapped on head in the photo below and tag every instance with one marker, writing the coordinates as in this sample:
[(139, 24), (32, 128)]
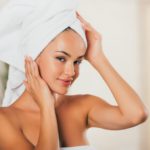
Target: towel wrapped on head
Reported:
[(26, 28)]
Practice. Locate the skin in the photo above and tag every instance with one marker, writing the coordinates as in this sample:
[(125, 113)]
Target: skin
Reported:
[(44, 113)]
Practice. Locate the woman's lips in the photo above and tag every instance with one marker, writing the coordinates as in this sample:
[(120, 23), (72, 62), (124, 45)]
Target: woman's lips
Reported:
[(65, 82)]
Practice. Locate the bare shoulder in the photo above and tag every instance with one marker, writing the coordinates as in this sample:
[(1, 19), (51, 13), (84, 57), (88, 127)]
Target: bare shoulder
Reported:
[(5, 120), (83, 103), (10, 133), (80, 101), (85, 100), (7, 115)]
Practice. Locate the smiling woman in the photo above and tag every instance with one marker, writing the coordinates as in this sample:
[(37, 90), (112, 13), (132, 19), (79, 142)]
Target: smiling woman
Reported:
[(41, 116)]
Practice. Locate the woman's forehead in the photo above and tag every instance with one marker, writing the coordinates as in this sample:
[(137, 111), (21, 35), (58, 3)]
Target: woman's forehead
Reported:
[(65, 52), (68, 41)]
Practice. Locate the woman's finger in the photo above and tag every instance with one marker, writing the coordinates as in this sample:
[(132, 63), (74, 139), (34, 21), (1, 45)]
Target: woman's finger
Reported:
[(26, 68), (36, 69), (86, 25), (81, 18), (29, 74), (31, 67), (26, 85)]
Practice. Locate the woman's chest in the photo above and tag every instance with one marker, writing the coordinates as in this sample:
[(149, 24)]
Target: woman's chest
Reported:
[(71, 127)]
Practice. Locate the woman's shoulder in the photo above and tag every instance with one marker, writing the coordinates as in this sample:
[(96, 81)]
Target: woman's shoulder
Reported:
[(83, 102), (7, 128), (7, 113), (76, 97), (4, 114), (73, 100), (7, 119), (81, 99), (80, 102)]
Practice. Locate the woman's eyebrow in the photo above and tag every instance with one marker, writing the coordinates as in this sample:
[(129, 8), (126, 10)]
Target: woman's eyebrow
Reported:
[(69, 54)]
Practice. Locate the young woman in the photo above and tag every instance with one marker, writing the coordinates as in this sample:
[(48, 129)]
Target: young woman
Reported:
[(44, 118)]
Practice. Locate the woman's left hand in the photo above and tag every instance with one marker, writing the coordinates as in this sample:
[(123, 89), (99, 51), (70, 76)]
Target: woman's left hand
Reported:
[(94, 40)]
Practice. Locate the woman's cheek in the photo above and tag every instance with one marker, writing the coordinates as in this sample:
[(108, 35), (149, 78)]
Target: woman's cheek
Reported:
[(55, 70)]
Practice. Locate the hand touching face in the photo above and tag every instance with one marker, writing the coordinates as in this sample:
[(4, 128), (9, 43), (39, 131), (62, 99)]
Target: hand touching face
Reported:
[(35, 85)]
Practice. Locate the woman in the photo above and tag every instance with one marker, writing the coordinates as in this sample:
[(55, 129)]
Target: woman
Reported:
[(44, 114)]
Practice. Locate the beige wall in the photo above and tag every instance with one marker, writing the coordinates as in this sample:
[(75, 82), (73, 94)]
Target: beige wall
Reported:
[(2, 2), (148, 63), (145, 14)]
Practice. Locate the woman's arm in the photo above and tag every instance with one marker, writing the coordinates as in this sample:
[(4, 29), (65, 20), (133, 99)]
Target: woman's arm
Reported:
[(48, 137), (127, 99), (130, 110)]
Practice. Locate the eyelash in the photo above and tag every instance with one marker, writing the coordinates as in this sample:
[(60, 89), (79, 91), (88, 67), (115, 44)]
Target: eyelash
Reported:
[(60, 58)]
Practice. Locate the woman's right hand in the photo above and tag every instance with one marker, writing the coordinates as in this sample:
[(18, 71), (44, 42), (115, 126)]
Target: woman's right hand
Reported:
[(36, 86)]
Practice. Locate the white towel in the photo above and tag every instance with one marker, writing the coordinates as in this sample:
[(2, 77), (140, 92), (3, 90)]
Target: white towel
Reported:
[(26, 27), (84, 147)]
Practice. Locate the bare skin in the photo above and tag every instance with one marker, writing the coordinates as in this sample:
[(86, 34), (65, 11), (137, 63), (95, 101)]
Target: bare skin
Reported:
[(37, 120), (68, 119)]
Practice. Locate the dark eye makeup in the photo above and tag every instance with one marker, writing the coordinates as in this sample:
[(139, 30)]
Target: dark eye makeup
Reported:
[(62, 59)]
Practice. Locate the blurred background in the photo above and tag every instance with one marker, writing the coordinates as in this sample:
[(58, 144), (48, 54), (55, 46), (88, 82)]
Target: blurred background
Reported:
[(124, 26)]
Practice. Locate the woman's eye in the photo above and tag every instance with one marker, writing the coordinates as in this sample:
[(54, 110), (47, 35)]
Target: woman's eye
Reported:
[(60, 59), (78, 62)]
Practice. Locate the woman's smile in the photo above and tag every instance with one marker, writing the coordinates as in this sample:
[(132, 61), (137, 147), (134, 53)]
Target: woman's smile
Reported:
[(65, 82)]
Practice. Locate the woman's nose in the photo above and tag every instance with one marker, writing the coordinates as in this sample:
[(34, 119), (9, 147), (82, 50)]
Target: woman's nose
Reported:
[(69, 70)]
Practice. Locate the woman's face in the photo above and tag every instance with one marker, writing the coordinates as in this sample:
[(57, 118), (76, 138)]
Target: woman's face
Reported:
[(59, 62)]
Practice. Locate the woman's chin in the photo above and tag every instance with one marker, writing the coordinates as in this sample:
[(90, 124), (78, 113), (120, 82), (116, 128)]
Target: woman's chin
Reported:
[(60, 91), (59, 88)]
